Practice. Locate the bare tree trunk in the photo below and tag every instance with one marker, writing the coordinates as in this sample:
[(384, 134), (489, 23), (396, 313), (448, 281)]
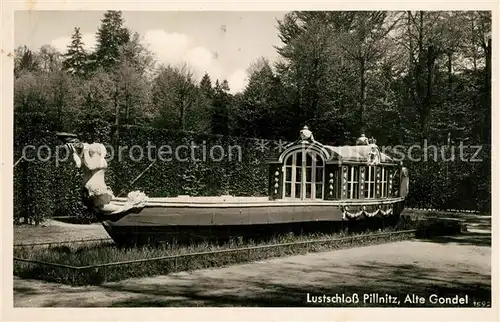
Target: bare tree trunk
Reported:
[(127, 107), (411, 92), (450, 92), (474, 52), (487, 53), (486, 131), (182, 116), (450, 72), (117, 116), (362, 84), (426, 104), (424, 84)]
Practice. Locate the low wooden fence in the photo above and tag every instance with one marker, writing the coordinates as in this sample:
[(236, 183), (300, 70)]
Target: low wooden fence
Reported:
[(446, 210)]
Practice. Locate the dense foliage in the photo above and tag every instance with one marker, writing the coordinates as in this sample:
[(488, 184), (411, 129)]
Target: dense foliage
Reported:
[(404, 78)]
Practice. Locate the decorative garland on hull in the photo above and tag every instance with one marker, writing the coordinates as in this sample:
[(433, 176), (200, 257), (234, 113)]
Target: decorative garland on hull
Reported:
[(353, 215)]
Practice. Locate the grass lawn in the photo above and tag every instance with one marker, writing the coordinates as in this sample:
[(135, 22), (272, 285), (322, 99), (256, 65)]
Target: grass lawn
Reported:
[(81, 255), (54, 231)]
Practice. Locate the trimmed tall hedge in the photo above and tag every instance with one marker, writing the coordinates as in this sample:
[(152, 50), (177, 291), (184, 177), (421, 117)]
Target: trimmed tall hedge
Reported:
[(50, 188), (47, 188)]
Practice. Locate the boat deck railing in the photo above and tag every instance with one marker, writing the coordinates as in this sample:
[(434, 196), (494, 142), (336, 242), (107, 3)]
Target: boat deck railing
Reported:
[(234, 201)]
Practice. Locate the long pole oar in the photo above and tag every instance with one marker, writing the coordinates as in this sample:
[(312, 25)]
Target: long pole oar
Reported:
[(137, 178), (18, 161)]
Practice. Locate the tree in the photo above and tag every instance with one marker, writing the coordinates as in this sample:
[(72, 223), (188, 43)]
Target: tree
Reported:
[(50, 59), (131, 75), (138, 56), (128, 63), (482, 36), (424, 51), (132, 94), (31, 93), (95, 97), (75, 60), (62, 91), (206, 86), (50, 93), (111, 35), (363, 43), (174, 95), (305, 63), (204, 100), (220, 108), (25, 60), (316, 77), (258, 113)]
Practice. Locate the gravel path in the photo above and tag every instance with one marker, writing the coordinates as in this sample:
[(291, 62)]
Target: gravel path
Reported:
[(56, 231)]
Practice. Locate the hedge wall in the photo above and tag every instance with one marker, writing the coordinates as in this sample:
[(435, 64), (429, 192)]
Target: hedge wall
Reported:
[(452, 184), (50, 188)]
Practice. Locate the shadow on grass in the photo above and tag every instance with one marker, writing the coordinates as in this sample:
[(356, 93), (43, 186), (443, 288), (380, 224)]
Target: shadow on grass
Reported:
[(397, 280), (238, 289), (466, 238)]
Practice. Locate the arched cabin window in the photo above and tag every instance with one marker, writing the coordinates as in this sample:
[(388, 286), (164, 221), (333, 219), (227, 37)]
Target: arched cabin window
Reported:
[(304, 175)]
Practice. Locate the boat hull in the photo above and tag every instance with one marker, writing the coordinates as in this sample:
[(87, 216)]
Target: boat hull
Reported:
[(187, 222)]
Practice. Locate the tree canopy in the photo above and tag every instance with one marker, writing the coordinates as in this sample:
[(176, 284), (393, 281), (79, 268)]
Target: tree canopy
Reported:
[(402, 76)]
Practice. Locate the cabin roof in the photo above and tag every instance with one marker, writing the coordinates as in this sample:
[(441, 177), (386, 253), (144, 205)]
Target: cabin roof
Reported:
[(356, 153), (365, 150)]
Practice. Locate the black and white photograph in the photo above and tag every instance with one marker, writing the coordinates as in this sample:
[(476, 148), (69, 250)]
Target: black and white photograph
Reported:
[(225, 158)]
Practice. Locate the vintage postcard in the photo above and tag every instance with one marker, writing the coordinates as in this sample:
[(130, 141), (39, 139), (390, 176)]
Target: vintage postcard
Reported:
[(284, 161)]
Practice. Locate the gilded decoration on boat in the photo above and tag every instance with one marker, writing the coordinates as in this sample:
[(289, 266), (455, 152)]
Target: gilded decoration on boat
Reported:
[(362, 140), (352, 215), (374, 155), (306, 135)]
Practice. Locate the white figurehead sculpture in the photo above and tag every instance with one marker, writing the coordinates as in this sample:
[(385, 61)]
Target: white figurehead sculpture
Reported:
[(374, 156), (306, 135), (362, 140), (91, 159), (405, 183)]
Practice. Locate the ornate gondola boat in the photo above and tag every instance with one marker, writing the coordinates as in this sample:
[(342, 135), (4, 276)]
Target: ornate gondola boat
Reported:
[(311, 186)]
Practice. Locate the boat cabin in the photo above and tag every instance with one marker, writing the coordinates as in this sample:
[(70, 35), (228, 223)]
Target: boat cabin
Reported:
[(309, 170)]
